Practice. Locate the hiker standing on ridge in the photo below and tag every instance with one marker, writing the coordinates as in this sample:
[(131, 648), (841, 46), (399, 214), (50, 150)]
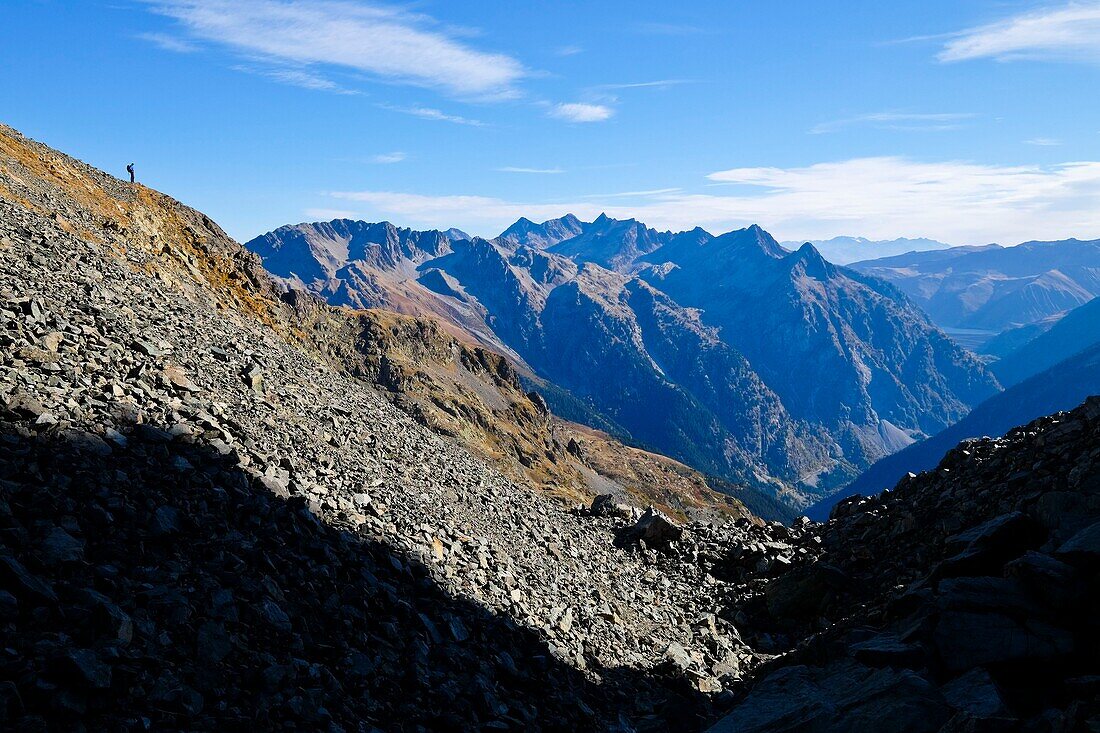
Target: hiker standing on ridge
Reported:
[(130, 170)]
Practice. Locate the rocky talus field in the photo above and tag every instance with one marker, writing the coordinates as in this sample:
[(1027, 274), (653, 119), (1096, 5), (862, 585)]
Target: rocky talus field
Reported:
[(211, 520)]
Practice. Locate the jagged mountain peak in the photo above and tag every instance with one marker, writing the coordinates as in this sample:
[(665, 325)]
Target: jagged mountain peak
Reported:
[(812, 262), (754, 236), (611, 243), (548, 233), (730, 252)]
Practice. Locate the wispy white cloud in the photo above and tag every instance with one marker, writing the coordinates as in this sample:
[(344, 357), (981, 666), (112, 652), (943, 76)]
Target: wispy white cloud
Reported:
[(296, 77), (386, 158), (569, 51), (883, 198), (168, 43), (902, 121), (1046, 142), (379, 40), (430, 113), (660, 83), (539, 171), (633, 194), (1070, 32), (581, 112)]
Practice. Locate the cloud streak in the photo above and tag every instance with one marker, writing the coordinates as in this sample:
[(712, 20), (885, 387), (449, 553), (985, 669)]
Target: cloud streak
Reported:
[(168, 43), (381, 41), (633, 194), (1067, 33), (660, 83), (903, 121), (388, 158), (882, 198), (296, 77), (430, 113), (581, 112)]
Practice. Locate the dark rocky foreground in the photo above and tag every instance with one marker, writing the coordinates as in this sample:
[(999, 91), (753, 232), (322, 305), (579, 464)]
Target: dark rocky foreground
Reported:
[(967, 599), (150, 586)]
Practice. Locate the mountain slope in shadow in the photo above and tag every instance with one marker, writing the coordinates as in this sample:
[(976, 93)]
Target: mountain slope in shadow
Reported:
[(150, 583)]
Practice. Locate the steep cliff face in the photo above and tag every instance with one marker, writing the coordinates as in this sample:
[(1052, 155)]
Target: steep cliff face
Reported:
[(1076, 331), (730, 353), (455, 386)]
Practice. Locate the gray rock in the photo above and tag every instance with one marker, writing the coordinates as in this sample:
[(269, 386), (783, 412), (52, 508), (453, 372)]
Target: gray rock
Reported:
[(655, 528), (984, 549), (59, 546), (1083, 546), (844, 697), (975, 693), (148, 348), (82, 667), (214, 643), (25, 584), (888, 650), (604, 505), (9, 606), (967, 639), (166, 521), (274, 616)]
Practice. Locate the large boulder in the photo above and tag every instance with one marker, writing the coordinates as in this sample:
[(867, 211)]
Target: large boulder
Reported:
[(604, 505), (654, 528), (1083, 546)]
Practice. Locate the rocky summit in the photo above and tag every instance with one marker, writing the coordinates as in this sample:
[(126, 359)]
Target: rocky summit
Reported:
[(227, 506)]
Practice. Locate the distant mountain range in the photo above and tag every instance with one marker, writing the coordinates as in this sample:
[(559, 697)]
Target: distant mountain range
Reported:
[(994, 288), (743, 359), (845, 250)]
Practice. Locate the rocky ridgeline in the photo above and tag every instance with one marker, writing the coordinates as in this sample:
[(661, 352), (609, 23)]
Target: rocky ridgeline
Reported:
[(204, 524), (966, 599)]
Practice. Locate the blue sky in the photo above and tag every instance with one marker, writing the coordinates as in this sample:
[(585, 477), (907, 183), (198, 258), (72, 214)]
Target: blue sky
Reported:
[(964, 121)]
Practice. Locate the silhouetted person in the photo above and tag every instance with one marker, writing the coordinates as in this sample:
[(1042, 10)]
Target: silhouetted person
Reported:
[(130, 170)]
